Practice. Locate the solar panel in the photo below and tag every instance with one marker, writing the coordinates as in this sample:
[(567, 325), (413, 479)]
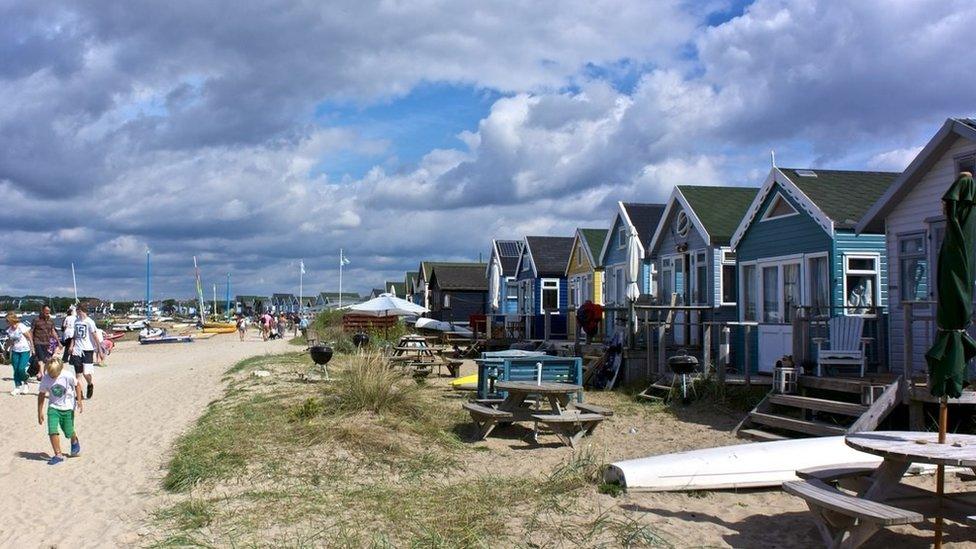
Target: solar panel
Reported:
[(806, 173), (508, 248)]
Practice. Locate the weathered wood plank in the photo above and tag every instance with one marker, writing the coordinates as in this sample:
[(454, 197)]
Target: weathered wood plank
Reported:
[(827, 497), (820, 404), (798, 425)]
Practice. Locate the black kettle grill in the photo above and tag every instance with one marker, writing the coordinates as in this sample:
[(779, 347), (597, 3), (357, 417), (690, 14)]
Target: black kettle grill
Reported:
[(360, 339), (321, 354), (683, 364)]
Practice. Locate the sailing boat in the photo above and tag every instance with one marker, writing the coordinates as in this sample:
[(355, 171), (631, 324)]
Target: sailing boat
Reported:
[(210, 327)]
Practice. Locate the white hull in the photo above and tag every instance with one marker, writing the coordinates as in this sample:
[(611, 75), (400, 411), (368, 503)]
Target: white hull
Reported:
[(753, 465)]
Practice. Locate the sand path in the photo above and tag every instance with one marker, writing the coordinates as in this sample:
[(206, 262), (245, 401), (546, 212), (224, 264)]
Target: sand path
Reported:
[(144, 399)]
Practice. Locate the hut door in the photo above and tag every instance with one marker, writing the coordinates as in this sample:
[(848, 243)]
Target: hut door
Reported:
[(680, 327)]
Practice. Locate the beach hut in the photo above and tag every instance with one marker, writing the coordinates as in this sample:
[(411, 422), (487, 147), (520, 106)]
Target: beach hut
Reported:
[(584, 272), (327, 301), (541, 283), (458, 291), (409, 281), (284, 303), (691, 250), (502, 262), (910, 214), (421, 289), (796, 248), (630, 218)]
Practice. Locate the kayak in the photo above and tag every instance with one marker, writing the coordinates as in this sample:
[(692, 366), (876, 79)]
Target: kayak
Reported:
[(230, 325), (218, 330), (466, 383), (166, 339)]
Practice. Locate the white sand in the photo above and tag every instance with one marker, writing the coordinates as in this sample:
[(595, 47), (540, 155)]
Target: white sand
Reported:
[(143, 400)]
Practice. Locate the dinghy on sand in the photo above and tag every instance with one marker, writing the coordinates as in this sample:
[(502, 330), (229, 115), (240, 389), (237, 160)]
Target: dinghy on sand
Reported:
[(752, 465)]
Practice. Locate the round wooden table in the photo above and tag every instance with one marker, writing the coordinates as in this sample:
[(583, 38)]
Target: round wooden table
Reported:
[(544, 388), (916, 447), (900, 449), (557, 394)]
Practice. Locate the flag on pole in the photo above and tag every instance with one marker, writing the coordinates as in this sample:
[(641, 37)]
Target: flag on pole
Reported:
[(301, 266), (343, 259)]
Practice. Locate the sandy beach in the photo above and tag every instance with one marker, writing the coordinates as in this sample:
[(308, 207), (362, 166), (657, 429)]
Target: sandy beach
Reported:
[(144, 398)]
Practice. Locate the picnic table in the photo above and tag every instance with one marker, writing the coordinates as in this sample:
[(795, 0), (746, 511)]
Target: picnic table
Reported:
[(414, 351), (527, 400), (880, 499)]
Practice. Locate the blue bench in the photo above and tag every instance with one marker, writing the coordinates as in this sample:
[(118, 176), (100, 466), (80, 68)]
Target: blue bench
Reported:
[(523, 366)]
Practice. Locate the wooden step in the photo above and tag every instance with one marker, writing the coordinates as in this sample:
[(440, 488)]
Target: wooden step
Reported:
[(760, 435), (816, 428), (833, 384), (820, 404)]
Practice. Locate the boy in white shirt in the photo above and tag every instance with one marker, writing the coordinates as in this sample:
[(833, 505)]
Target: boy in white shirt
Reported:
[(63, 392), (85, 345)]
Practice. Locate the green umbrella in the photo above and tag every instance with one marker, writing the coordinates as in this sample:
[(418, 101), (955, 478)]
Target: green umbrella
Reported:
[(953, 347)]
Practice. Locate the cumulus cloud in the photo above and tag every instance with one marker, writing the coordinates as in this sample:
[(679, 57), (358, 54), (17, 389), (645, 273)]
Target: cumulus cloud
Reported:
[(195, 129)]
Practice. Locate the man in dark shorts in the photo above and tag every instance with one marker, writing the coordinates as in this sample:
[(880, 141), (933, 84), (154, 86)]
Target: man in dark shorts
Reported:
[(43, 332), (68, 328)]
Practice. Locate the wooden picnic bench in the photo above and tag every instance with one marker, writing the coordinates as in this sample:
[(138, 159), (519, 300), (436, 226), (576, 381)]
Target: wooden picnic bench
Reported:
[(570, 426), (485, 418), (593, 409), (845, 520)]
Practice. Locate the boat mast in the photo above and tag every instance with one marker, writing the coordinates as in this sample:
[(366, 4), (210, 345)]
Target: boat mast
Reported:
[(148, 285), (196, 271), (74, 281), (227, 312)]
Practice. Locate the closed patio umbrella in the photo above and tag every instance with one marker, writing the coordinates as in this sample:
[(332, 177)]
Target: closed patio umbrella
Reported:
[(494, 284), (953, 347), (635, 254)]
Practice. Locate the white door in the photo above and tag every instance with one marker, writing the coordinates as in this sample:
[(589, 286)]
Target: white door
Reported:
[(775, 340)]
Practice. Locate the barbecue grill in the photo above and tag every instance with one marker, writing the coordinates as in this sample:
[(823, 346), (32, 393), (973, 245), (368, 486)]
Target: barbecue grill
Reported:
[(683, 364)]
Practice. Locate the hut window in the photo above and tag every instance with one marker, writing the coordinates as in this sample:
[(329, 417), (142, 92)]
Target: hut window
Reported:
[(550, 295), (682, 224), (770, 291), (791, 290), (701, 279), (728, 278), (447, 301), (512, 289), (750, 293), (819, 282), (579, 256), (622, 238), (860, 284), (778, 208), (914, 267)]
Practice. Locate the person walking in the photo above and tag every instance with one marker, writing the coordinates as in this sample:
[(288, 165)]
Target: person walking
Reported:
[(42, 335), (241, 327), (67, 328), (19, 338), (84, 347), (63, 393)]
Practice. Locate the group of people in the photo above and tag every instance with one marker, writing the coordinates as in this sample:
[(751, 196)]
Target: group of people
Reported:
[(275, 326), (33, 354)]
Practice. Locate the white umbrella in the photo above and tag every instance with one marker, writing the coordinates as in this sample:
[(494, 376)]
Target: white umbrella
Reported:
[(635, 252), (494, 272), (388, 305)]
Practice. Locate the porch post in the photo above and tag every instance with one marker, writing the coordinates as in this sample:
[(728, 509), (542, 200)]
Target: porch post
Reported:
[(748, 358)]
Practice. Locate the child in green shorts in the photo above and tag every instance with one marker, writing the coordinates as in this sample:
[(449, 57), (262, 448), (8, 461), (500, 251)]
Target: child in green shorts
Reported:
[(64, 395)]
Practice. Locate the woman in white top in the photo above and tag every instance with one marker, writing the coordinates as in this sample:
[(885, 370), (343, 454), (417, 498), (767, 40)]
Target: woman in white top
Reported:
[(19, 338)]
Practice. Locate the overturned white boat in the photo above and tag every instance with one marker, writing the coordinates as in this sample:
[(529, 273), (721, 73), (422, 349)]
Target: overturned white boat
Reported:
[(441, 326), (752, 465)]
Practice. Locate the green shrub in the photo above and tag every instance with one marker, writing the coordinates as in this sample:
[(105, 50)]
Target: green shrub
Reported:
[(369, 384)]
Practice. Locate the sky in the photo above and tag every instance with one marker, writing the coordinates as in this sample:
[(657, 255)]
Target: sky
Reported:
[(255, 135)]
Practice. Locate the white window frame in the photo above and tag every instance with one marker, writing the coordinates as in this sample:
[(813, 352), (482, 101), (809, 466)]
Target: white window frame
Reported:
[(742, 290), (579, 255), (725, 262), (680, 230), (778, 262), (877, 279), (768, 214), (621, 237), (808, 273), (511, 282), (542, 291), (446, 302), (698, 295)]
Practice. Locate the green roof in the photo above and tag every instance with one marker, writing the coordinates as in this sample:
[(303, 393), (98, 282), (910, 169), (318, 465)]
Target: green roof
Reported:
[(594, 241), (720, 209), (844, 196)]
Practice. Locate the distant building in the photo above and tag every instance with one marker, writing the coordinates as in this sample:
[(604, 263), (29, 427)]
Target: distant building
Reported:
[(542, 284), (458, 291), (505, 255), (326, 301)]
